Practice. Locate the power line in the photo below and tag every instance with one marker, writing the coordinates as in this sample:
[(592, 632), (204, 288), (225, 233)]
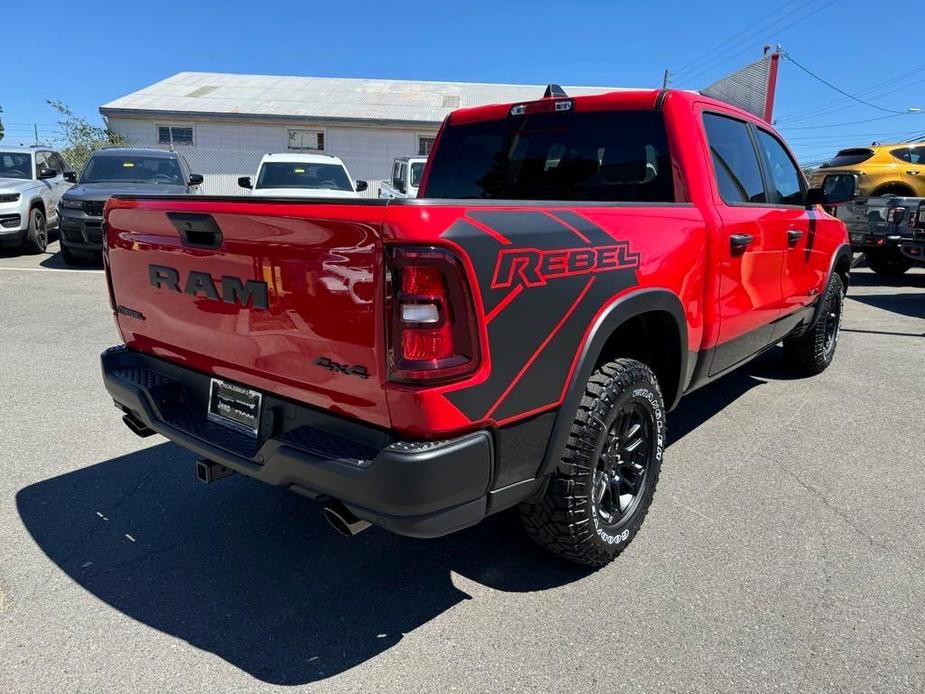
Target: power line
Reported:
[(840, 91), (839, 125), (706, 69), (725, 44), (839, 105)]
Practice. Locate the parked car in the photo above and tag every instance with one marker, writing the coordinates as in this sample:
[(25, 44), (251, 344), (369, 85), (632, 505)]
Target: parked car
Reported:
[(514, 336), (406, 176), (109, 172), (914, 248), (877, 227), (32, 180), (303, 176), (881, 169)]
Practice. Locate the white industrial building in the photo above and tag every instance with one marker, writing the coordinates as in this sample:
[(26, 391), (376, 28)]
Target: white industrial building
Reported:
[(224, 123)]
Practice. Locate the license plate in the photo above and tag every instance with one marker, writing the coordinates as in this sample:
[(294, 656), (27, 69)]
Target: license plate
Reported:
[(234, 406)]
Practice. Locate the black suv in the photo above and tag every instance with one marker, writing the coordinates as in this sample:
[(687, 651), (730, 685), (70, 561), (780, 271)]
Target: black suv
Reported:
[(115, 171)]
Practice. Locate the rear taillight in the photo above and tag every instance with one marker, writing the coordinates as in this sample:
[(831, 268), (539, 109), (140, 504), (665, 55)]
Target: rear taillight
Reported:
[(895, 215), (112, 295), (432, 332)]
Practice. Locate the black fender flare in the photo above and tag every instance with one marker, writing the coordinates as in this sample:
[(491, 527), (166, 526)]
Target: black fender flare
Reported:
[(622, 310), (843, 251)]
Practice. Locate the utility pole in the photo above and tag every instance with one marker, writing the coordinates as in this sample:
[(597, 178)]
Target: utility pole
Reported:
[(35, 130), (666, 80)]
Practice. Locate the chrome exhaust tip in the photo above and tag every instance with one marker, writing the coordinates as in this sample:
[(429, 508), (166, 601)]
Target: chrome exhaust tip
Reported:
[(343, 521)]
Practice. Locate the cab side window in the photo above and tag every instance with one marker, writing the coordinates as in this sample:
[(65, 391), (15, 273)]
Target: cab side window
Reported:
[(59, 162), (735, 161), (41, 163), (785, 176)]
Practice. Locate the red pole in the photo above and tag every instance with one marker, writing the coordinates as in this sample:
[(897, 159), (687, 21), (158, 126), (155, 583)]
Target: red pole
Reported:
[(772, 85)]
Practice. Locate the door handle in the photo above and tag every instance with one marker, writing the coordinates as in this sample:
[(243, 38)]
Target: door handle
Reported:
[(739, 242), (793, 235)]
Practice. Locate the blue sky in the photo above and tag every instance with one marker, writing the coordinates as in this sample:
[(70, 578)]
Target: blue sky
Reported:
[(92, 52)]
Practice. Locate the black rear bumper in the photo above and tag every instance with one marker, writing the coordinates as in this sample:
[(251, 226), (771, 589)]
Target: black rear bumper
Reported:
[(420, 489)]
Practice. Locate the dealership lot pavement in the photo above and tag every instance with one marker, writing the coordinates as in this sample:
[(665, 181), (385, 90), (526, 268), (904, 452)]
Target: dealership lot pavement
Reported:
[(785, 549)]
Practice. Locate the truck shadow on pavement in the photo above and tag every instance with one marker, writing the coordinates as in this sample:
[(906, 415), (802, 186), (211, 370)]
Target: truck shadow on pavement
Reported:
[(56, 262), (911, 304), (253, 573)]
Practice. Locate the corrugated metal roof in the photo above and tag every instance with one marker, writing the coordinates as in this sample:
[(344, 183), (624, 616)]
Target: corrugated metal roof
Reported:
[(746, 88), (323, 98)]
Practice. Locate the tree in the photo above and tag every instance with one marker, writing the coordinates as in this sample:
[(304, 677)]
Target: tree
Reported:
[(81, 137)]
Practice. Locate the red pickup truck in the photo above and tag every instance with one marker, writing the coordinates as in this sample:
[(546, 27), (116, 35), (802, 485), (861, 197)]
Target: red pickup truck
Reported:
[(513, 336)]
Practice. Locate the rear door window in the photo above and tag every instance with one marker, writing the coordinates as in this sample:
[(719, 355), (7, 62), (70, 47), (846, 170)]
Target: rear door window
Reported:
[(611, 156), (910, 155), (786, 185), (735, 161)]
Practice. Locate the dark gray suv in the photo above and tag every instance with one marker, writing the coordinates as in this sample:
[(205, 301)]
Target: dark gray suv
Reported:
[(115, 171)]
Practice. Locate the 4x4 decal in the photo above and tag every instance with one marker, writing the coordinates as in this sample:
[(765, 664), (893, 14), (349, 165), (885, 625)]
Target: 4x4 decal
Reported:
[(542, 277)]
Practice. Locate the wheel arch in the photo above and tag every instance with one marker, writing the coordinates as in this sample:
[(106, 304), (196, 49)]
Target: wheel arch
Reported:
[(662, 345), (899, 188), (840, 263), (40, 203)]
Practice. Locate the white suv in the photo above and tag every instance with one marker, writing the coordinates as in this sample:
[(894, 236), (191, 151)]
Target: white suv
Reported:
[(303, 176), (31, 183)]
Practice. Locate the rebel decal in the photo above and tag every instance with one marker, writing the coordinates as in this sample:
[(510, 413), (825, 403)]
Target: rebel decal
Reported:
[(534, 267), (542, 277)]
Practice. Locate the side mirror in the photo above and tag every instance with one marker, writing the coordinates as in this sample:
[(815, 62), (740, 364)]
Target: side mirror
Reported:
[(195, 179), (70, 176), (361, 186), (836, 189), (47, 173), (245, 182)]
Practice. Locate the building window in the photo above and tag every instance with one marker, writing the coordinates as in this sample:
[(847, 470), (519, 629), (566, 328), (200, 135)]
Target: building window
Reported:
[(306, 139), (175, 134), (424, 145)]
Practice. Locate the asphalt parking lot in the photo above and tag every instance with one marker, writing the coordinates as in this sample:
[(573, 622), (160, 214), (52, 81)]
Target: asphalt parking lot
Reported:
[(785, 549)]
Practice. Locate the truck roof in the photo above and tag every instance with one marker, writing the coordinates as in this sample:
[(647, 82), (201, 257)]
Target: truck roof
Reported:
[(136, 152), (303, 157), (23, 149), (622, 99)]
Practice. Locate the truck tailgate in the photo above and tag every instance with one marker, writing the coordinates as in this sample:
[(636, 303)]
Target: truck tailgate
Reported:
[(280, 296)]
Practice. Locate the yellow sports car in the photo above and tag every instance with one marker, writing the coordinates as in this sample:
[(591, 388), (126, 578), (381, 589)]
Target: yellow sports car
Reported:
[(881, 169)]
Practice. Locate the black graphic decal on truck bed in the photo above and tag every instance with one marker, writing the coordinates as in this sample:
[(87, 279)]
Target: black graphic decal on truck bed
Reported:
[(543, 276)]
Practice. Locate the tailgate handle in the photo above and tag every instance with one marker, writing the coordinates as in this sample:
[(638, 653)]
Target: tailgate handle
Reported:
[(196, 230)]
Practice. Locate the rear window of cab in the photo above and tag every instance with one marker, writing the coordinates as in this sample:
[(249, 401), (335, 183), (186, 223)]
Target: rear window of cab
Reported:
[(849, 157), (606, 156)]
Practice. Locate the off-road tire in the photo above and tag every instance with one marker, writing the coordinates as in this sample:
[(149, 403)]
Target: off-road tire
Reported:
[(812, 352), (567, 520), (36, 240), (888, 265)]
